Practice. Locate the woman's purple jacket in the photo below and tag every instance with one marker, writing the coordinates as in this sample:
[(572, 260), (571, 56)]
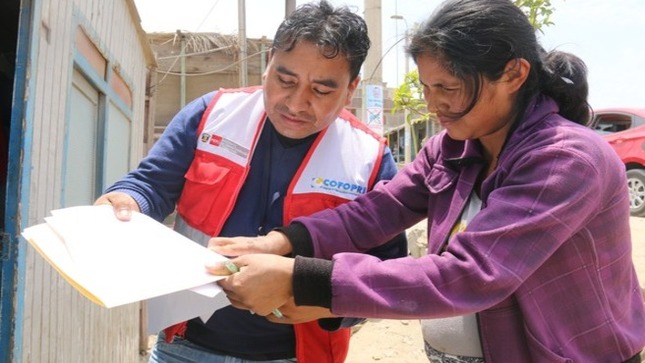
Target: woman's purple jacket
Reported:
[(546, 264)]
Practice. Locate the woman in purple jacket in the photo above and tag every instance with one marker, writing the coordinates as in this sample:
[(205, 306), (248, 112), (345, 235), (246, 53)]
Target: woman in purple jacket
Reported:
[(529, 249)]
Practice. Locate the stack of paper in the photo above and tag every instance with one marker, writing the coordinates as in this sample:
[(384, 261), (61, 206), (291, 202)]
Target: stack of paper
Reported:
[(114, 263)]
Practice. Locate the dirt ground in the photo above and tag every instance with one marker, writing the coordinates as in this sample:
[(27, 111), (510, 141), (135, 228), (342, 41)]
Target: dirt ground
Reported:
[(400, 341)]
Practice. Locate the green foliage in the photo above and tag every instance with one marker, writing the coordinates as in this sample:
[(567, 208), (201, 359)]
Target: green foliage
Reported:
[(538, 11), (409, 97)]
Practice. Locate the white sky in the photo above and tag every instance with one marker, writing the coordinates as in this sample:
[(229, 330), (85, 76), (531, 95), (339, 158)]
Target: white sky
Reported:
[(608, 35)]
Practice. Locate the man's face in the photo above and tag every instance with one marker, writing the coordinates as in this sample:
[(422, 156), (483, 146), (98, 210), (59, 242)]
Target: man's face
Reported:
[(304, 91)]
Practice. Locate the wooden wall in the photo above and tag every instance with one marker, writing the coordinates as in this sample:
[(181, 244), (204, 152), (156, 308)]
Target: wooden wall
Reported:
[(58, 324)]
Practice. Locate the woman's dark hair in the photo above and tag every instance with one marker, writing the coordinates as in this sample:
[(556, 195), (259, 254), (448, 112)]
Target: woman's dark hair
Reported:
[(336, 32), (565, 80), (477, 38)]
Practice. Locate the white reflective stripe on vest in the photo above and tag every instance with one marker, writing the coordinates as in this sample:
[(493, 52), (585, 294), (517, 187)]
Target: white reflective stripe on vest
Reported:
[(231, 126), (341, 164), (189, 232)]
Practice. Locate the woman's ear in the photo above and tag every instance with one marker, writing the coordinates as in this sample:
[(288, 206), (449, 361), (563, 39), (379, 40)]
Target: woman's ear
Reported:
[(515, 73)]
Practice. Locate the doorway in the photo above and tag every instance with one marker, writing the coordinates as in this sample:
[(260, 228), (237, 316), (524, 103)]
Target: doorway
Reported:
[(15, 24), (8, 44)]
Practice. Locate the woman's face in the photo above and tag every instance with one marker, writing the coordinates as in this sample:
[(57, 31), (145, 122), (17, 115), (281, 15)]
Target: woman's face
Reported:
[(446, 95)]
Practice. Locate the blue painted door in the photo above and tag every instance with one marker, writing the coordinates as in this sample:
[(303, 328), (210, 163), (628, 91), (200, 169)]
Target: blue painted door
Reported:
[(16, 21)]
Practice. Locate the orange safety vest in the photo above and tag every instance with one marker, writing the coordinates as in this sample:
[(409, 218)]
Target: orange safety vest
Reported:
[(329, 176)]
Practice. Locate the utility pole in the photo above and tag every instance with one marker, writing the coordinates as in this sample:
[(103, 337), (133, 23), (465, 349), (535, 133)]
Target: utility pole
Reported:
[(407, 130), (289, 7), (182, 63), (241, 20), (372, 70)]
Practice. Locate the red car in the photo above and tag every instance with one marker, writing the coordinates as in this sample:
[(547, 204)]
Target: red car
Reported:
[(624, 129)]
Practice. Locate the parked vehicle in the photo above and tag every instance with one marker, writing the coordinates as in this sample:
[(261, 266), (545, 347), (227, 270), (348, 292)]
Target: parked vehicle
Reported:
[(624, 129)]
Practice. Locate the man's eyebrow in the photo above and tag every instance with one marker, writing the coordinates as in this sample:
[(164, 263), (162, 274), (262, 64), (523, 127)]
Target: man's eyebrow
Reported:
[(284, 70), (325, 82)]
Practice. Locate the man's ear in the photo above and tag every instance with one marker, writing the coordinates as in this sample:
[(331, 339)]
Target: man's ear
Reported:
[(516, 72), (269, 57), (351, 89)]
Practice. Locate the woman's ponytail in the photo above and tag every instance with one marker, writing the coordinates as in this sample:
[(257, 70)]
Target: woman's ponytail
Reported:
[(564, 78)]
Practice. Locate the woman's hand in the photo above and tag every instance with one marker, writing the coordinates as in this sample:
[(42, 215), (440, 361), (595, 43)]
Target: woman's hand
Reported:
[(293, 314), (262, 284), (122, 203), (274, 243)]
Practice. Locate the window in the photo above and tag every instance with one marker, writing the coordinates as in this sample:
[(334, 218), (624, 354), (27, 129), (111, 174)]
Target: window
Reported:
[(80, 164), (99, 127)]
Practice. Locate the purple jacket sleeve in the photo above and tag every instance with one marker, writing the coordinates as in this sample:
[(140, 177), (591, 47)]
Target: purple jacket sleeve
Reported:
[(312, 272), (371, 219), (535, 208), (396, 247)]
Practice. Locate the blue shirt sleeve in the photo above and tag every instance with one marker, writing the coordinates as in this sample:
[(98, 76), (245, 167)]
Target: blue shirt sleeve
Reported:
[(157, 182), (388, 166)]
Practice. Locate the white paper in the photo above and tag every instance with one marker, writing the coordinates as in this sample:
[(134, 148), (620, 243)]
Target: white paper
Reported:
[(114, 262), (167, 310)]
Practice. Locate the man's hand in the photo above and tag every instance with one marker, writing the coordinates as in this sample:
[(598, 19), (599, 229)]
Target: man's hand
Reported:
[(262, 285), (123, 204), (274, 243)]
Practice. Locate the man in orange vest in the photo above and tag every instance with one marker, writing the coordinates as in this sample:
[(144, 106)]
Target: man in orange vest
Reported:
[(240, 162)]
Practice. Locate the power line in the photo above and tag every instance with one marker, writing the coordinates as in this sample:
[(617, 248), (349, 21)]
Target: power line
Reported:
[(209, 72), (184, 45)]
